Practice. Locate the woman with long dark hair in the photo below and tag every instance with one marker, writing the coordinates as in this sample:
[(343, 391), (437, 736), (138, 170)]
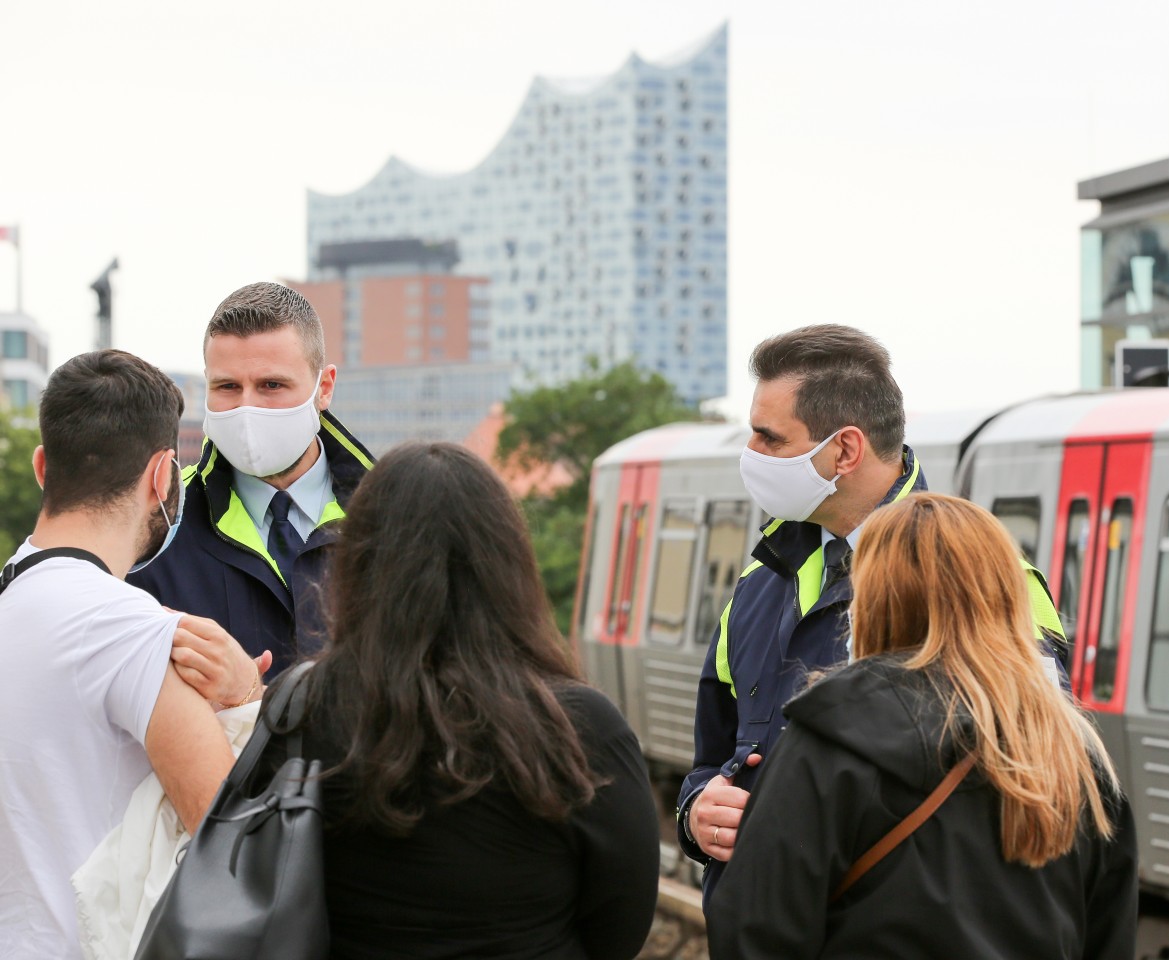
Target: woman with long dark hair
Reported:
[(1033, 855), (481, 801)]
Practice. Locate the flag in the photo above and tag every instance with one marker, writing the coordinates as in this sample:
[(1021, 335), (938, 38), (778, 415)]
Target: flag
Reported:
[(11, 234)]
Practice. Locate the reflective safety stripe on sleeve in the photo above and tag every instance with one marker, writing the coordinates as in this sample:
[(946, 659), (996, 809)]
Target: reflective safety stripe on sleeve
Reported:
[(722, 652)]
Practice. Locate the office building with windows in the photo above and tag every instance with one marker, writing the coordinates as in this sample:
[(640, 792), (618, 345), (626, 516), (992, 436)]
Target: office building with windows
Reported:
[(194, 390), (387, 302), (1124, 278), (599, 220), (24, 361), (384, 406)]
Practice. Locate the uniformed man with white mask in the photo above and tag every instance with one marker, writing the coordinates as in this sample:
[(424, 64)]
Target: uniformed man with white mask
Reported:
[(826, 449), (275, 474)]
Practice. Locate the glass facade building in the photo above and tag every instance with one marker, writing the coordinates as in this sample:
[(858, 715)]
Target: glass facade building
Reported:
[(24, 361), (383, 406), (1124, 268), (599, 220)]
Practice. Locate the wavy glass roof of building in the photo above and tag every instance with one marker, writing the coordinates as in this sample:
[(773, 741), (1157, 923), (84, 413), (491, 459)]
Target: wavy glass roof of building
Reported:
[(600, 219)]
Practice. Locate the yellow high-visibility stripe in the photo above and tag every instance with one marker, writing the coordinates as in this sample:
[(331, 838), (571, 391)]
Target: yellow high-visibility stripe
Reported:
[(810, 579), (906, 490), (722, 652), (331, 512), (237, 524), (722, 658), (1043, 612), (337, 435)]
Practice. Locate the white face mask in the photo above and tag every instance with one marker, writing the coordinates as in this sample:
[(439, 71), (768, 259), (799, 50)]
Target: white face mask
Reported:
[(787, 488), (263, 441)]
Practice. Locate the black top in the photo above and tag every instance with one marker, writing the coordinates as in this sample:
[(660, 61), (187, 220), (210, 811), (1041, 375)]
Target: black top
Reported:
[(863, 749), (486, 878)]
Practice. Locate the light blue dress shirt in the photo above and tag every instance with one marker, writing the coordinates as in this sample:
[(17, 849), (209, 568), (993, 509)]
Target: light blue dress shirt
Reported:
[(310, 494)]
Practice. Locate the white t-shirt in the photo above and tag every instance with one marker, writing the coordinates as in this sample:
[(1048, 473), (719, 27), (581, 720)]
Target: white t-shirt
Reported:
[(83, 658)]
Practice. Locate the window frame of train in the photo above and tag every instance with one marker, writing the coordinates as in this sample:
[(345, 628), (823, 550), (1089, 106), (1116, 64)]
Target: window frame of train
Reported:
[(1158, 699), (699, 591), (737, 507), (613, 601), (1011, 512), (1077, 538), (687, 510), (1119, 546)]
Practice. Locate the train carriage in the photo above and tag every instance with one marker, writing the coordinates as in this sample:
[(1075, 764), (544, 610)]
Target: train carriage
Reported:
[(1081, 481)]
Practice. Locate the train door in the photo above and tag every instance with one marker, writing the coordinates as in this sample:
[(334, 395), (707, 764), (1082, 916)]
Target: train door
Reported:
[(1098, 535), (617, 626)]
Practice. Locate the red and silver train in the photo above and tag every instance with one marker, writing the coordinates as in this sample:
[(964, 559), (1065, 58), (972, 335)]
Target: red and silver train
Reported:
[(1082, 482)]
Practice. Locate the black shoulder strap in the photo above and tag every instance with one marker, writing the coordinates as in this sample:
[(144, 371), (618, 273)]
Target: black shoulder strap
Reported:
[(13, 570), (273, 710)]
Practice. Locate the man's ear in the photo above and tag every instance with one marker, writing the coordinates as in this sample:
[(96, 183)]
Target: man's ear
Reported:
[(38, 466), (853, 446), (154, 475), (328, 382)]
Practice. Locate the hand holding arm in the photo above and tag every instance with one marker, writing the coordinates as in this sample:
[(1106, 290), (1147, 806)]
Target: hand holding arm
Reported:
[(211, 660)]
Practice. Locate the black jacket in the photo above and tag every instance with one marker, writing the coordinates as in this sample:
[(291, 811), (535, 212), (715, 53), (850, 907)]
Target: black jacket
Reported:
[(212, 570), (861, 752)]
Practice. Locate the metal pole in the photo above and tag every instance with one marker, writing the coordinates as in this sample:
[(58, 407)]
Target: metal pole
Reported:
[(19, 273)]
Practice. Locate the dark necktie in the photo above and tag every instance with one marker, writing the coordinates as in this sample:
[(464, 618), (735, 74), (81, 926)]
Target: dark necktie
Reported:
[(837, 557), (284, 542)]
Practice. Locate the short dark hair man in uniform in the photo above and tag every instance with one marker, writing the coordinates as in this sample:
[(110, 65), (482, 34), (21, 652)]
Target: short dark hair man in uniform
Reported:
[(89, 700), (826, 449), (275, 474)]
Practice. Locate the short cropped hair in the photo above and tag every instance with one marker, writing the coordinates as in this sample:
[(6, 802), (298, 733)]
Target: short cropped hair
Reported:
[(843, 379), (103, 415), (262, 307)]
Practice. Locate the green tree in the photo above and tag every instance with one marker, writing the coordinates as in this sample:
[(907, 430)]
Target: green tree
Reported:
[(20, 497), (572, 425)]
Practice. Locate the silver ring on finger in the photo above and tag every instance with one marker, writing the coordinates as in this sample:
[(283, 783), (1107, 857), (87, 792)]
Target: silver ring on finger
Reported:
[(716, 843)]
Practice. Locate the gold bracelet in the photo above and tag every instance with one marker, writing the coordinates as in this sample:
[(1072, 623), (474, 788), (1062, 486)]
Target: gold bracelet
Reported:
[(251, 692)]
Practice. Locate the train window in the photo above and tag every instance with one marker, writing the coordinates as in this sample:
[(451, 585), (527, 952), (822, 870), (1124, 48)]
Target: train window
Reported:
[(1020, 515), (726, 542), (1157, 681), (619, 568), (1072, 576), (675, 564), (1115, 576)]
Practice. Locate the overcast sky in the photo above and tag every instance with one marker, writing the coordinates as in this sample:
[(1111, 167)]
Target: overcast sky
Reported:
[(907, 166)]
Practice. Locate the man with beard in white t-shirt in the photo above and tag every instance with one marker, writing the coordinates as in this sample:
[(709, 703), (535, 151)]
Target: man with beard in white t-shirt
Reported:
[(89, 700)]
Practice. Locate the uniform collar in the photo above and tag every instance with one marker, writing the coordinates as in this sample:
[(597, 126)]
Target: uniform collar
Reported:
[(347, 461), (311, 492)]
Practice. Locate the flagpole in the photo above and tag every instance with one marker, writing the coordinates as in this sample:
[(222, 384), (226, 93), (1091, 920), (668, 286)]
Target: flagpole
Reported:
[(19, 273)]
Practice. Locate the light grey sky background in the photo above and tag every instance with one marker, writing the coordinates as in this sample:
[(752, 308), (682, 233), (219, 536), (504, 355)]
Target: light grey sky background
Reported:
[(907, 166)]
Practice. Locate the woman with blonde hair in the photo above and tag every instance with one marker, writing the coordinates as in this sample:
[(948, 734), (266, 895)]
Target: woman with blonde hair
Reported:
[(1033, 854)]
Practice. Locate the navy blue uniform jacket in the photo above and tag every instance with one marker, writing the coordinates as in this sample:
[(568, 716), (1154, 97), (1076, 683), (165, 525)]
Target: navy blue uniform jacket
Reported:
[(776, 628), (217, 567)]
